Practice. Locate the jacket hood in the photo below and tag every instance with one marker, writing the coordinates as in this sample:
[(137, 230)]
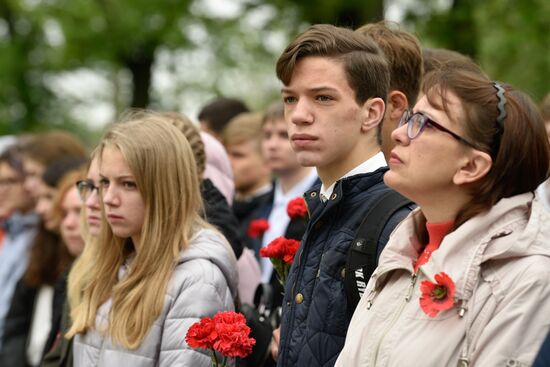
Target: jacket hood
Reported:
[(515, 227), (209, 244)]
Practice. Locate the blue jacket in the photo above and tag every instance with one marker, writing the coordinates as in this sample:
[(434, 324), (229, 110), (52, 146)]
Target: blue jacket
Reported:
[(543, 358), (315, 313)]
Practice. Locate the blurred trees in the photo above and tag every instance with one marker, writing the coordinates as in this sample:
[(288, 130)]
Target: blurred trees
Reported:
[(176, 54), (509, 39)]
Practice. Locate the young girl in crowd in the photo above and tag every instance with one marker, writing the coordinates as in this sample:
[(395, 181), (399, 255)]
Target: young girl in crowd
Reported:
[(59, 349), (157, 267), (465, 279)]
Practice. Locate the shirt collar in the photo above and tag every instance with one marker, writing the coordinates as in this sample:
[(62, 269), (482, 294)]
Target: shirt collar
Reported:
[(370, 165), (297, 190)]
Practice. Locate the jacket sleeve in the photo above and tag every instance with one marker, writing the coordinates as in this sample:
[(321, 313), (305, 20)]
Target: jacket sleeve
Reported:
[(515, 332), (202, 291)]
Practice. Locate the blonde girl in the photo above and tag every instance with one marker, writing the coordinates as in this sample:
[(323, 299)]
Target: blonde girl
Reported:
[(156, 267)]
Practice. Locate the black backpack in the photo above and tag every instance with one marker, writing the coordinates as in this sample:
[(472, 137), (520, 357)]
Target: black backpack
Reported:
[(362, 259)]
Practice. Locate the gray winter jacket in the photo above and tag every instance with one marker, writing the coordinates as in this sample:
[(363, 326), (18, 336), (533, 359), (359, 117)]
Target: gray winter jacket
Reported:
[(204, 282)]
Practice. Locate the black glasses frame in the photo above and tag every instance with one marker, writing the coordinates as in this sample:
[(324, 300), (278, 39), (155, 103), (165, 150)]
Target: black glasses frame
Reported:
[(86, 188), (407, 117)]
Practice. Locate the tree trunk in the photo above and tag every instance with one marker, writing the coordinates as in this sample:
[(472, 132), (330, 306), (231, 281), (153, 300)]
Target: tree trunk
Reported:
[(140, 65)]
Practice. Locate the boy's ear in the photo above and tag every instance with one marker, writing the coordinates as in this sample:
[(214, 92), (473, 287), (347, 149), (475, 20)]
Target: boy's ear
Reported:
[(474, 167), (396, 105), (373, 110)]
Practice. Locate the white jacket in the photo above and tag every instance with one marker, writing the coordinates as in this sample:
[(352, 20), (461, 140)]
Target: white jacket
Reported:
[(204, 282), (500, 264)]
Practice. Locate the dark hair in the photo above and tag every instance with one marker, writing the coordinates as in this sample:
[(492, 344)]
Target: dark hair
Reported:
[(437, 58), (522, 160), (57, 169), (12, 157), (218, 112), (364, 63), (49, 257), (51, 146), (403, 53)]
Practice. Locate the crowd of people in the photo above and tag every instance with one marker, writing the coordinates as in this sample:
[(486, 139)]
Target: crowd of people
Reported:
[(426, 240)]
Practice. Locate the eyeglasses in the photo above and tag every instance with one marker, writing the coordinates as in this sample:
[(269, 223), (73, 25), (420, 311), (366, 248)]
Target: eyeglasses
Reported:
[(85, 189), (416, 122), (10, 181)]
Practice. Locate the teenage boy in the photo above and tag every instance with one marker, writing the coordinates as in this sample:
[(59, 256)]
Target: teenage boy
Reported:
[(334, 85), (404, 55), (216, 114), (242, 139), (292, 181)]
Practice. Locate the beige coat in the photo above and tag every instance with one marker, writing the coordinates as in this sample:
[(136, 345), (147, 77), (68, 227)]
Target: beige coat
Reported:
[(500, 263)]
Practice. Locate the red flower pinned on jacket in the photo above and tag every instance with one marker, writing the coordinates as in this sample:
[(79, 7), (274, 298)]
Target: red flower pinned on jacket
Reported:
[(437, 296), (226, 333), (297, 208), (257, 227), (281, 251)]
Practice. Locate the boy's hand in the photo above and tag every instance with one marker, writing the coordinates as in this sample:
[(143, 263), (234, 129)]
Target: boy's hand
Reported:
[(275, 343)]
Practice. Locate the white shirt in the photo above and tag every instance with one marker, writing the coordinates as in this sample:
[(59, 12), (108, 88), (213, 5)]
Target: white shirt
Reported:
[(370, 165), (278, 218)]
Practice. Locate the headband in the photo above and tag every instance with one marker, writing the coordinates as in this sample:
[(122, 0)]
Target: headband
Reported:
[(501, 104), (501, 107)]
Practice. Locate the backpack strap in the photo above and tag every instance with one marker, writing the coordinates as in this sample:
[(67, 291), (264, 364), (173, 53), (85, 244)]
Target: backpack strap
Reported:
[(362, 259)]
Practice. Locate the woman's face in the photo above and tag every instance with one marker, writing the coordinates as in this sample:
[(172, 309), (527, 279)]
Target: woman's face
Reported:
[(13, 196), (124, 206), (70, 224), (44, 204), (93, 208), (423, 168)]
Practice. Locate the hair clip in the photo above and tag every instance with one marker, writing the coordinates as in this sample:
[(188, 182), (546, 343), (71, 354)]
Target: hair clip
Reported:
[(501, 106)]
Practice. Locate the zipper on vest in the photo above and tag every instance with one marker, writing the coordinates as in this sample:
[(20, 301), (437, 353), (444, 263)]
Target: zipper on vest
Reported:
[(396, 316)]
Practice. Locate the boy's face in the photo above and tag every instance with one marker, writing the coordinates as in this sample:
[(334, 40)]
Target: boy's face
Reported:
[(324, 120), (249, 168), (276, 147)]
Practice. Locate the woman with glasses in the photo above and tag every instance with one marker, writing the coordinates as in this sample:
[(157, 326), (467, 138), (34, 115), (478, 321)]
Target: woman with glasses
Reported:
[(465, 279), (59, 350), (157, 267)]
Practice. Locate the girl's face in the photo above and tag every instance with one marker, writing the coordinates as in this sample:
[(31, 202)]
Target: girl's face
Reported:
[(44, 204), (424, 168), (70, 224), (93, 208), (124, 206)]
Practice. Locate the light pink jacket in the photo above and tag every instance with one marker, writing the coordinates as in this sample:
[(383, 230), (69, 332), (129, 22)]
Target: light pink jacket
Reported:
[(500, 263)]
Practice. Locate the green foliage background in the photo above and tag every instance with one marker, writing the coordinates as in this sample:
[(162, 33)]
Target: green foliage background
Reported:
[(123, 40)]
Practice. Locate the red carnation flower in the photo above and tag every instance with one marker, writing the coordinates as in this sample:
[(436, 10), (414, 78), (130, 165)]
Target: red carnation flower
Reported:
[(281, 248), (437, 296), (281, 251), (297, 208), (257, 227), (233, 340), (226, 333), (202, 334)]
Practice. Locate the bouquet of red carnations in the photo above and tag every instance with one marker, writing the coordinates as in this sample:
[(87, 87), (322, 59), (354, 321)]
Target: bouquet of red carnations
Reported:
[(226, 333)]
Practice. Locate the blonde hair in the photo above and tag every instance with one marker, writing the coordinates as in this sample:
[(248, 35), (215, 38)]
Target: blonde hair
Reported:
[(82, 266), (163, 165), (243, 128)]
